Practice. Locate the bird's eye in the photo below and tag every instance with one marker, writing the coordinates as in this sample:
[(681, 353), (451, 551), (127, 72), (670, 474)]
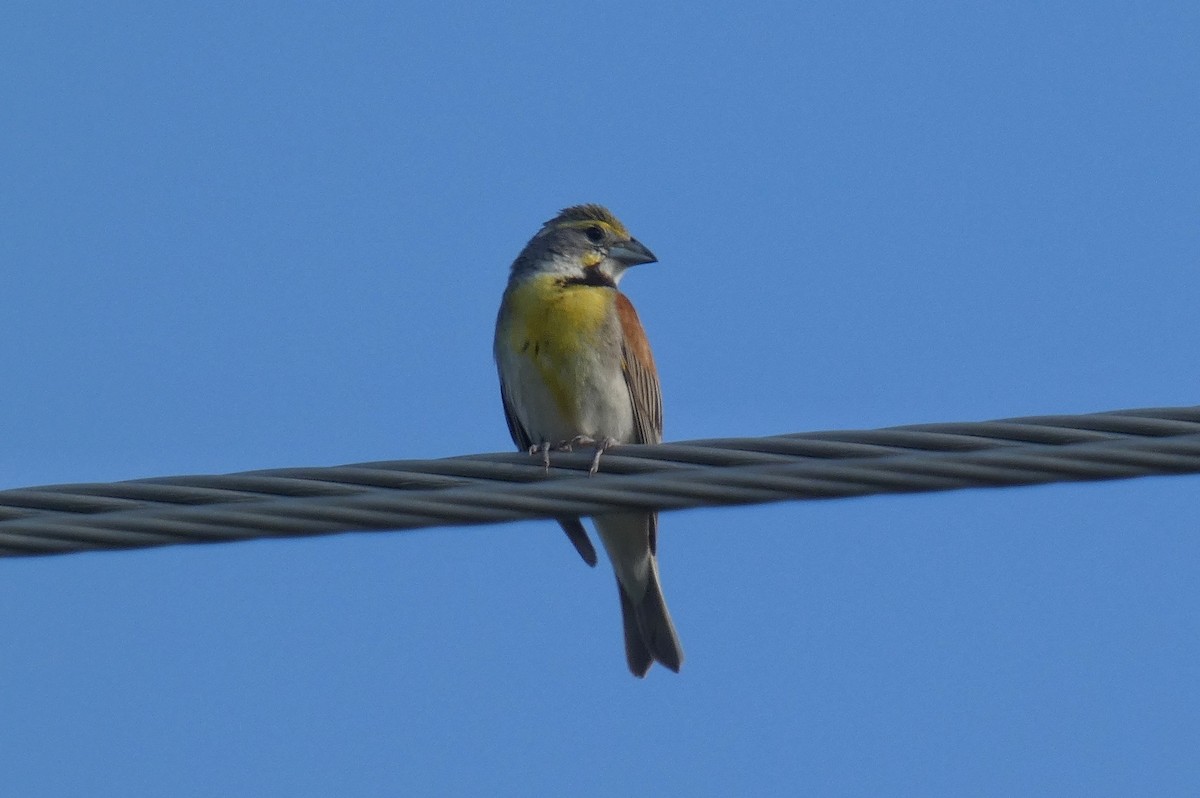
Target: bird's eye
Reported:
[(594, 233)]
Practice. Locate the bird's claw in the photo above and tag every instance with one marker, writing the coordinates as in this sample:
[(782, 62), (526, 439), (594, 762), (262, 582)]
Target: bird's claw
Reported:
[(543, 449), (602, 445)]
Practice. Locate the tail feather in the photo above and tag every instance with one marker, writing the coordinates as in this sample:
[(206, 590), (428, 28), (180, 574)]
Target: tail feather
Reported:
[(636, 653), (650, 636), (649, 633)]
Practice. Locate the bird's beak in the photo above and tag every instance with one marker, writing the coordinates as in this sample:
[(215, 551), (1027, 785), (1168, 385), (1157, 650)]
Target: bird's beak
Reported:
[(631, 253)]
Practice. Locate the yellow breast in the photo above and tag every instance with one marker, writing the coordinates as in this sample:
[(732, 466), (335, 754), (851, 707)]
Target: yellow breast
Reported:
[(556, 326)]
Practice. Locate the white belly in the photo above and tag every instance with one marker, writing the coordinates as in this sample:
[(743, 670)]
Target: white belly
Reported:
[(594, 402)]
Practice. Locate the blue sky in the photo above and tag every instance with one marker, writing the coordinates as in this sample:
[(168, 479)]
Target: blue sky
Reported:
[(251, 235)]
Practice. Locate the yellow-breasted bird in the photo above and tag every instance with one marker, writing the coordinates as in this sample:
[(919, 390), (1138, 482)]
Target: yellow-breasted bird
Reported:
[(575, 368)]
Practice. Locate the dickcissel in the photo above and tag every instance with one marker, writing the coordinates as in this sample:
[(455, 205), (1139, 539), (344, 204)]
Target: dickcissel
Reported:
[(576, 369)]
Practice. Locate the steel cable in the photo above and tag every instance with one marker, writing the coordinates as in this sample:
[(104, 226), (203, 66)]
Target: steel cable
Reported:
[(493, 488)]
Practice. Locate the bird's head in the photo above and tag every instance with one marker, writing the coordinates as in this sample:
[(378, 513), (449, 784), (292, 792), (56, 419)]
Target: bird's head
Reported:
[(585, 243)]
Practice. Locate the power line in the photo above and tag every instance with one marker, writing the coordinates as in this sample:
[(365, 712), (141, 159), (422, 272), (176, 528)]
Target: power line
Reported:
[(492, 488)]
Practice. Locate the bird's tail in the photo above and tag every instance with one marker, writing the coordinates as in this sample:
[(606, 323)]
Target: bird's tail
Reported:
[(649, 633)]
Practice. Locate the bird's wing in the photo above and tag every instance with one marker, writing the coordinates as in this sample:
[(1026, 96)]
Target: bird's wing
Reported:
[(515, 428), (572, 526), (577, 534), (641, 377)]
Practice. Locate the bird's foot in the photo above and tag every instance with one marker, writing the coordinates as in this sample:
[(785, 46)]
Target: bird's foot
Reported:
[(602, 445), (543, 449)]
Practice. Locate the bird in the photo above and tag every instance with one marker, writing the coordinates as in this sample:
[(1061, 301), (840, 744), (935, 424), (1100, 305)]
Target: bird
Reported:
[(576, 369)]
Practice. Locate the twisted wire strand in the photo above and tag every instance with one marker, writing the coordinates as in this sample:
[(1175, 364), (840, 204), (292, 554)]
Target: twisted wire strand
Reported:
[(493, 488)]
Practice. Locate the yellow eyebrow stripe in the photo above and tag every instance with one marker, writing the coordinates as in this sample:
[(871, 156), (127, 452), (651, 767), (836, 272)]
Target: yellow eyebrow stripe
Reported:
[(617, 229)]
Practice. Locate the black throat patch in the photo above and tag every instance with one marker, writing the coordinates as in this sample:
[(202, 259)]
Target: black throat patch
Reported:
[(593, 277)]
